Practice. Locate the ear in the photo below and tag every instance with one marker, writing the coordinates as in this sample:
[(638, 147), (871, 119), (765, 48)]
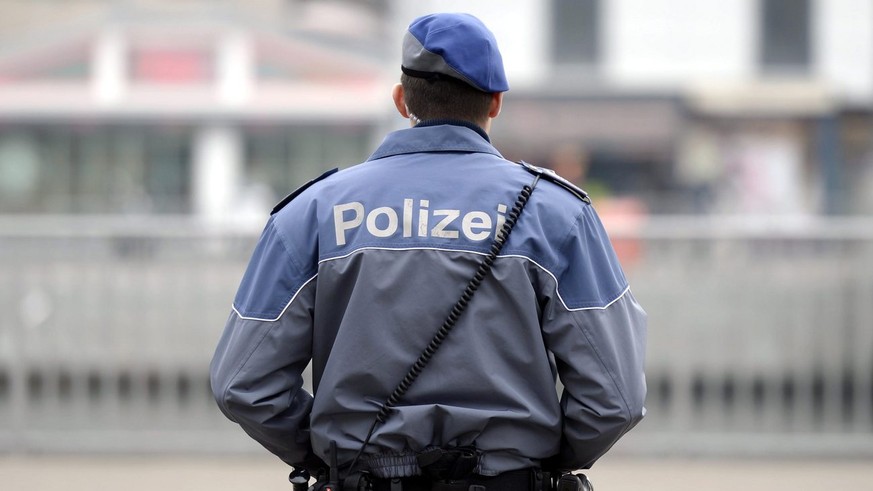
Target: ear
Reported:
[(399, 102), (496, 104)]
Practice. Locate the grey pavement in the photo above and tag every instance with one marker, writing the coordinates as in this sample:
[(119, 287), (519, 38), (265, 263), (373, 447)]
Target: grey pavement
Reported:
[(223, 473)]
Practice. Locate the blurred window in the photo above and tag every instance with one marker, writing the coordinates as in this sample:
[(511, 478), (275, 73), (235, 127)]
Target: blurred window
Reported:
[(576, 32), (282, 158), (785, 35), (167, 174), (94, 169), (20, 169)]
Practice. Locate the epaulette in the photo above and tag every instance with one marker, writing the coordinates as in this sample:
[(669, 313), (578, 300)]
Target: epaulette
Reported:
[(287, 199), (551, 176)]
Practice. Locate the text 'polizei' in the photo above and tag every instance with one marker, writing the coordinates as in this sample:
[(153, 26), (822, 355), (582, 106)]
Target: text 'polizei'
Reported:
[(416, 218)]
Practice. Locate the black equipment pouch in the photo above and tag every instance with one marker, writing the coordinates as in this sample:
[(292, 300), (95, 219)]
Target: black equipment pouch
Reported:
[(574, 482), (330, 481), (356, 481), (448, 464), (299, 479)]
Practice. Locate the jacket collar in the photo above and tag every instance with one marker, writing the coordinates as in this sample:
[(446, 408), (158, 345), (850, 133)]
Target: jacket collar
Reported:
[(437, 138), (456, 122)]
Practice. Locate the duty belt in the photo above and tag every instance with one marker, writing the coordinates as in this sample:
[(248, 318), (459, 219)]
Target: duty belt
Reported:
[(519, 480)]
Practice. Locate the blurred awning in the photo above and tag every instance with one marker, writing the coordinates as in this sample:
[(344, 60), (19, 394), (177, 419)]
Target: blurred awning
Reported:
[(634, 121), (762, 98), (159, 68)]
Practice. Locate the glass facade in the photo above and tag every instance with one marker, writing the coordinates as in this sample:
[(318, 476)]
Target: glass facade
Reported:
[(87, 168), (116, 168), (282, 158)]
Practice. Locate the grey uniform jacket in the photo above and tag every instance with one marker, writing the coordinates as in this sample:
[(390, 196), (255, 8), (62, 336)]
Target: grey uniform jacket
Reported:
[(359, 269)]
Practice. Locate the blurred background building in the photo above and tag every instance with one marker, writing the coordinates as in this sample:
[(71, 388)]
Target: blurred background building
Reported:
[(210, 108), (727, 144)]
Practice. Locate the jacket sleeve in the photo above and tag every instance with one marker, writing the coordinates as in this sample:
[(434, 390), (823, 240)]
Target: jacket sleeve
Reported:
[(257, 370), (597, 333)]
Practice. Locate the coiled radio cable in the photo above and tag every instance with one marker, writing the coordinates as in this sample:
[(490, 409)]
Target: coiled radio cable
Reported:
[(482, 272)]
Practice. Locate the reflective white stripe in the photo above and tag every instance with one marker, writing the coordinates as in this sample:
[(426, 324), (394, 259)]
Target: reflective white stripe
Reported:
[(283, 310), (607, 305), (557, 285)]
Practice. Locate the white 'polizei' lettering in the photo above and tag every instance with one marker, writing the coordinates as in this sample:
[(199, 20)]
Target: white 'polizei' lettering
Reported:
[(501, 219), (385, 221), (391, 226), (439, 230), (422, 217), (407, 217), (476, 225), (341, 224)]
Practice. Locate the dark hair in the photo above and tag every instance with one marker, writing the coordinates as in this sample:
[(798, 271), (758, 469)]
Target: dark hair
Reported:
[(445, 98)]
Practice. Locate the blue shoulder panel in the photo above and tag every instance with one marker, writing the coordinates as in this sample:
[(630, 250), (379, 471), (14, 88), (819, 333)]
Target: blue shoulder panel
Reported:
[(271, 279), (299, 190), (592, 277)]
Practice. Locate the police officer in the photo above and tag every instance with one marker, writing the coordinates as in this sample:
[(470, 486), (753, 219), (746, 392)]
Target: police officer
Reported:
[(357, 270)]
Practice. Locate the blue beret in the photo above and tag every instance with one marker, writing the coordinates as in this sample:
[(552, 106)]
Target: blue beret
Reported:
[(454, 45)]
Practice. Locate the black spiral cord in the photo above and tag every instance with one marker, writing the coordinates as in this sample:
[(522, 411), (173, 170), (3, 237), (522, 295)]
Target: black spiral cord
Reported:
[(481, 273)]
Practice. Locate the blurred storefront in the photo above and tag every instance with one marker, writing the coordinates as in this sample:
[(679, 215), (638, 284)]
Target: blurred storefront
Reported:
[(215, 108), (153, 109)]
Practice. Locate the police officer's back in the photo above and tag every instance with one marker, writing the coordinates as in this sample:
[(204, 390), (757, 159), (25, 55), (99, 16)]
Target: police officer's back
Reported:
[(358, 270)]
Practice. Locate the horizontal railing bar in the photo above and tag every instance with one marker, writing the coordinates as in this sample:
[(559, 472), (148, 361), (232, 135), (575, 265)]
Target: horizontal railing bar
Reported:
[(655, 227)]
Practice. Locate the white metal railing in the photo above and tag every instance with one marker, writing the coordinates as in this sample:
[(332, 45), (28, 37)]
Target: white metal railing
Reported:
[(761, 332)]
